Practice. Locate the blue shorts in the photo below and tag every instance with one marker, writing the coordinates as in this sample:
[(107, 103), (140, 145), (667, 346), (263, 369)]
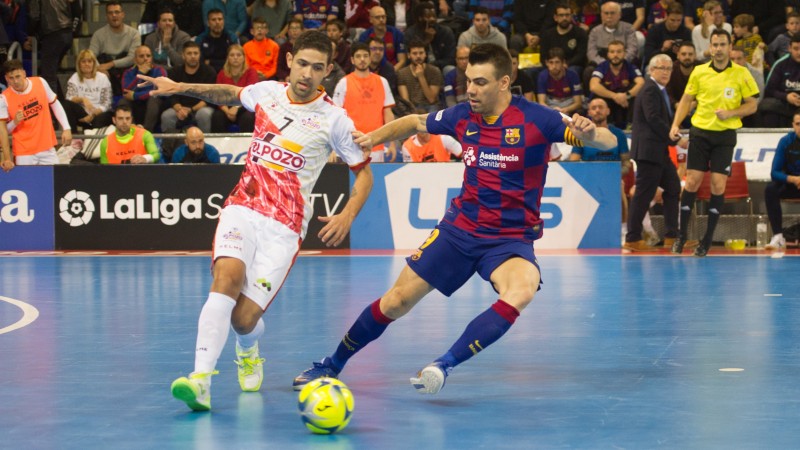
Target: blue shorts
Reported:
[(450, 256)]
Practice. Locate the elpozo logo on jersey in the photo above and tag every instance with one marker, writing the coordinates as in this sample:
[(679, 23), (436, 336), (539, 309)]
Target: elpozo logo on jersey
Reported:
[(77, 208), (277, 153)]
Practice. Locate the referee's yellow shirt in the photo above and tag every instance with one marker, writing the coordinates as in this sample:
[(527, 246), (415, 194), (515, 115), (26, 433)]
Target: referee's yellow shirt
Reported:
[(719, 90)]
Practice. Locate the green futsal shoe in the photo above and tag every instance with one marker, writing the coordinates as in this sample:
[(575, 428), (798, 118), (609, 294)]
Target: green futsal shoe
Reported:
[(251, 368), (195, 390)]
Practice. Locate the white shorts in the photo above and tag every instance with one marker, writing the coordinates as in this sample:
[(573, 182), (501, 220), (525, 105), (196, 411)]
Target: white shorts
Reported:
[(267, 247), (45, 158)]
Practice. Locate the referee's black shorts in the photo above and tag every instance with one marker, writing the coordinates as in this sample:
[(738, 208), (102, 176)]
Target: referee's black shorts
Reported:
[(711, 150)]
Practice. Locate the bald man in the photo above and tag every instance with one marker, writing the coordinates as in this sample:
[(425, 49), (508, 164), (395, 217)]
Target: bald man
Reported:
[(195, 150)]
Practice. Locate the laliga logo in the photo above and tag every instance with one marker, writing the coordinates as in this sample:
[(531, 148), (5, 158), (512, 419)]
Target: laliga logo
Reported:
[(76, 208), (469, 156)]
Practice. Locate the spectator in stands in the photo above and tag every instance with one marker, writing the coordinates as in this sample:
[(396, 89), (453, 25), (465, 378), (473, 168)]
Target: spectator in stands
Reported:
[(681, 70), (612, 29), (88, 97), (380, 65), (184, 110), (694, 11), (439, 39), (482, 31), (559, 87), (666, 36), (768, 16), (31, 127), (782, 92), (195, 150), (294, 29), (356, 14), (146, 109), (234, 12), (426, 147), (114, 45), (737, 56), (393, 40), (632, 12), (521, 82), (455, 81), (501, 12), (167, 41), (531, 19), (57, 20), (599, 112), (188, 14), (335, 29), (572, 39), (235, 72), (128, 144), (746, 39), (315, 13), (215, 40), (657, 12), (261, 52), (277, 14), (779, 47), (785, 183), (330, 81), (713, 18), (400, 13), (618, 81), (368, 100), (420, 83)]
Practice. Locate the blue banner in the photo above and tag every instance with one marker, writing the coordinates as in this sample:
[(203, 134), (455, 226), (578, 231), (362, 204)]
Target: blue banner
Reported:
[(26, 208)]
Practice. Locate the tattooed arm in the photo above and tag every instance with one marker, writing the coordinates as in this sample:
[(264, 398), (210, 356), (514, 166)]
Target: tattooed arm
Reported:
[(218, 94)]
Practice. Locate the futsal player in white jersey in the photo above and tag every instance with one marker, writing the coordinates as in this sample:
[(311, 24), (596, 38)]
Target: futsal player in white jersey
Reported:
[(266, 215)]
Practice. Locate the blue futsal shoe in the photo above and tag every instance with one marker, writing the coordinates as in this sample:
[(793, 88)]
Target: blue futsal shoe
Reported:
[(431, 379), (324, 368)]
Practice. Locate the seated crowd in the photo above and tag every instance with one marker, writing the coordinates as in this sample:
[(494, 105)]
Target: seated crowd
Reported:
[(416, 53)]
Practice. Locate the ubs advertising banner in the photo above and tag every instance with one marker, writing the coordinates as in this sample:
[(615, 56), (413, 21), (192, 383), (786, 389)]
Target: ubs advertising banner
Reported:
[(581, 205), (26, 208), (161, 207)]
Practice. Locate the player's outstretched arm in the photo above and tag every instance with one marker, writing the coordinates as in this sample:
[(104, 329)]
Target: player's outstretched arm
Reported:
[(218, 94), (398, 129), (338, 225), (584, 129)]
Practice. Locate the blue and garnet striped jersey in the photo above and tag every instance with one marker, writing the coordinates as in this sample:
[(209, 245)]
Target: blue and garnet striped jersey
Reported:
[(505, 166)]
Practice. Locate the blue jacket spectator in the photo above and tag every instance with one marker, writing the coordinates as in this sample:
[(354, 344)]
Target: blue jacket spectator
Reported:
[(195, 150), (235, 12)]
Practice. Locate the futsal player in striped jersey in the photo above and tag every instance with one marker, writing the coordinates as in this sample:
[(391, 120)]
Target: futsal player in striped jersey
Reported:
[(489, 227)]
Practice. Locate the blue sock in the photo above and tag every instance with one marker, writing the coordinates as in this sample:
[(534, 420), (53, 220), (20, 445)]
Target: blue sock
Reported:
[(368, 327), (482, 332)]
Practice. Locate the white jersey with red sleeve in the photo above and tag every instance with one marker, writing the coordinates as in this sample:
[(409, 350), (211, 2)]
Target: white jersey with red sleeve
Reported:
[(290, 146)]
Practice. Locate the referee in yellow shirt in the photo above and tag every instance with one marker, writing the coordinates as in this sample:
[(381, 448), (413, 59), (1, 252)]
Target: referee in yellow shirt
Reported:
[(725, 92)]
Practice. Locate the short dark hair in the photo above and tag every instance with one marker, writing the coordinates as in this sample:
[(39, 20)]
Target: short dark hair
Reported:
[(296, 20), (122, 106), (12, 65), (113, 3), (616, 42), (674, 8), (165, 10), (378, 40), (492, 54), (259, 19), (687, 44), (720, 32), (556, 52), (419, 10), (337, 23), (190, 44), (417, 43), (358, 46), (795, 38), (215, 11), (480, 10), (314, 40)]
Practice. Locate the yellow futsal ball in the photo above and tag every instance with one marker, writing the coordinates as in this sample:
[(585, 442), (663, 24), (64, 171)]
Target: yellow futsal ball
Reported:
[(326, 405)]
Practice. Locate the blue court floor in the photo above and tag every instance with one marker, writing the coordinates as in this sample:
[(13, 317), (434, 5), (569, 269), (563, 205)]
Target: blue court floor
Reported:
[(616, 351)]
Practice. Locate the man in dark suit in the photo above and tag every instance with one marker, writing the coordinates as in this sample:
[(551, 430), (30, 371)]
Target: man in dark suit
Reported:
[(652, 119)]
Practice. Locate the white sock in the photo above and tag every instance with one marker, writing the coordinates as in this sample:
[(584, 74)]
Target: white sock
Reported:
[(648, 224), (247, 341), (212, 331)]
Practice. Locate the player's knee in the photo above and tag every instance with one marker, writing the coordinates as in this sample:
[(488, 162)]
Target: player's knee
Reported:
[(243, 323), (519, 296), (395, 304)]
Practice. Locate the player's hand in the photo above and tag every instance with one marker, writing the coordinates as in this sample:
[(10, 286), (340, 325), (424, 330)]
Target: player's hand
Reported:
[(675, 133), (138, 159), (390, 152), (417, 70), (163, 85), (582, 127), (7, 165), (683, 142), (66, 137), (19, 117), (335, 230), (364, 141), (723, 114)]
